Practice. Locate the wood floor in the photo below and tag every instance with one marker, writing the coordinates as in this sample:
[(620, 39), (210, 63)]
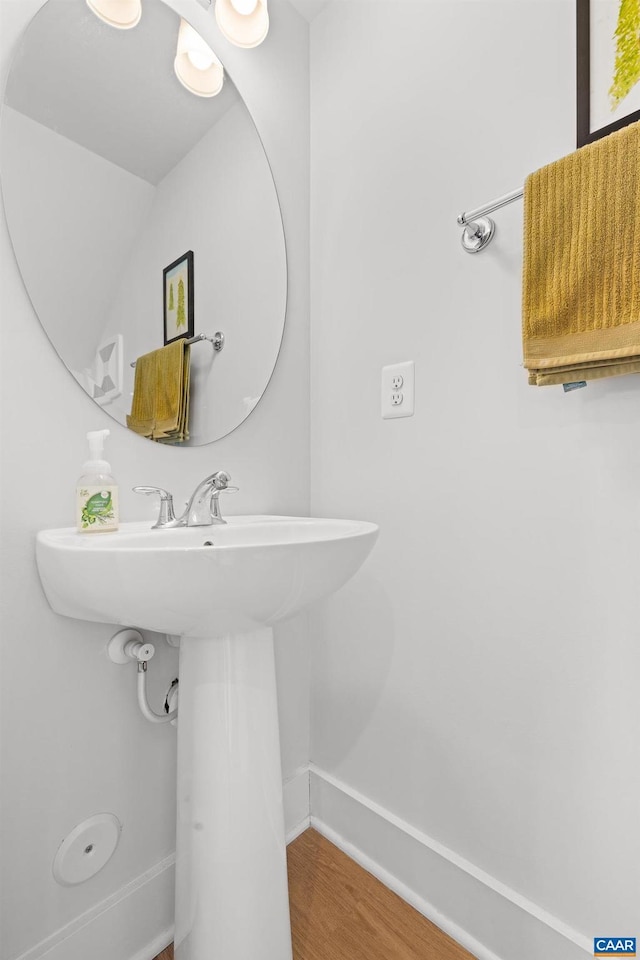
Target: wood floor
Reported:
[(340, 912)]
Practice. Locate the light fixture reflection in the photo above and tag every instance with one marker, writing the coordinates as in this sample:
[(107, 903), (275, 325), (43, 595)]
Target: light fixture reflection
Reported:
[(243, 22), (122, 14), (196, 65), (245, 7)]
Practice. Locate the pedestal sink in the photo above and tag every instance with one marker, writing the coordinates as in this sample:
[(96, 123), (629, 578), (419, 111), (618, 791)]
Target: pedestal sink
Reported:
[(219, 589)]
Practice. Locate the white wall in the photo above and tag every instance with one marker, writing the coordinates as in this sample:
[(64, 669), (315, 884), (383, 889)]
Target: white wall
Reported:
[(50, 193), (73, 741), (478, 679)]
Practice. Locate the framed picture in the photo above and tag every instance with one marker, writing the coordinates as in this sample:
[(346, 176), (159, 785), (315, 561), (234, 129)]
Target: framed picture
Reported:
[(178, 298), (608, 59)]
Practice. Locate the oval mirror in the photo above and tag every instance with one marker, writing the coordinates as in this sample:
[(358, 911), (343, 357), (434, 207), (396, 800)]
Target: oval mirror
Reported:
[(140, 215)]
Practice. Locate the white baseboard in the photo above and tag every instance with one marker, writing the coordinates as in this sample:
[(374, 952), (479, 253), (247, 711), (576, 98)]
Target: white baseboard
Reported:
[(155, 946), (295, 793), (489, 919), (136, 922)]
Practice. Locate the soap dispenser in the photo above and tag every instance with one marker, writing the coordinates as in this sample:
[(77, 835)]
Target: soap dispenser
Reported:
[(97, 491)]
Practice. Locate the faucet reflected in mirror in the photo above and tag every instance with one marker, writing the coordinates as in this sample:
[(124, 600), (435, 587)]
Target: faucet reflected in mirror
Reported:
[(203, 507)]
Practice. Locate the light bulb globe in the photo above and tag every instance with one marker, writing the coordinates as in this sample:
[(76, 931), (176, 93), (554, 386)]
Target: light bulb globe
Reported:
[(121, 14), (243, 29), (196, 65), (244, 7), (200, 60)]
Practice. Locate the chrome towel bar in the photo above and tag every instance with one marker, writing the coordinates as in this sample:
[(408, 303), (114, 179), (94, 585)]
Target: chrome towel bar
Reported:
[(478, 227), (217, 340)]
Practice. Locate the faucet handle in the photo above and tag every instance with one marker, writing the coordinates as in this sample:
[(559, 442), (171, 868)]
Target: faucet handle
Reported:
[(220, 480), (164, 494), (220, 484), (218, 488), (166, 515)]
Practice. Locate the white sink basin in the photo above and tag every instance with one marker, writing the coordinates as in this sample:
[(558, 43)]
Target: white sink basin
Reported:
[(257, 571), (219, 588)]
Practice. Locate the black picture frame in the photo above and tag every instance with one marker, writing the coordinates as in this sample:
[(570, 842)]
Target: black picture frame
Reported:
[(583, 81), (177, 303)]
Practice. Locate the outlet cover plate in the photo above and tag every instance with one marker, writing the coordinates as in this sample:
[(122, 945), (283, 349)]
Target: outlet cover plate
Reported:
[(390, 407)]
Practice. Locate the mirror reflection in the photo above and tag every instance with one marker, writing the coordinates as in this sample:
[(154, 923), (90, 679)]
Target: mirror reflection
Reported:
[(140, 215)]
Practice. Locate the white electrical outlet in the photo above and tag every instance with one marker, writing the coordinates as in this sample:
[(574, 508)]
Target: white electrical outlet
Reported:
[(397, 390)]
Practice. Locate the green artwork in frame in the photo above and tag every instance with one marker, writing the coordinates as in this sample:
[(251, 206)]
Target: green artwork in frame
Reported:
[(178, 298), (627, 67), (608, 59)]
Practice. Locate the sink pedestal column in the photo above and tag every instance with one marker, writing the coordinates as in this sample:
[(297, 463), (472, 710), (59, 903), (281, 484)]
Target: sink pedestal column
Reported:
[(231, 872)]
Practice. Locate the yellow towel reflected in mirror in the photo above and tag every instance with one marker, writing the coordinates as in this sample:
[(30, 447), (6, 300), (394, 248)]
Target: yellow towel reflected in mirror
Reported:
[(160, 405)]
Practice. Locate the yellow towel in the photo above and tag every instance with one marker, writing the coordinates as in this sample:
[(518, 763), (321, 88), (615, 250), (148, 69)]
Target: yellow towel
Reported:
[(160, 405), (165, 431), (581, 274)]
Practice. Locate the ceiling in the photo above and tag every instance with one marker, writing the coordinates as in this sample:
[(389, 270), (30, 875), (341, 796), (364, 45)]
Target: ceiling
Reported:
[(310, 8), (114, 92)]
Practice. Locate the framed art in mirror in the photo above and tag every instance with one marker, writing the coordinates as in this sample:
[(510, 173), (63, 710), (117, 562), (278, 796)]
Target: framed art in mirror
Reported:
[(178, 298), (608, 66)]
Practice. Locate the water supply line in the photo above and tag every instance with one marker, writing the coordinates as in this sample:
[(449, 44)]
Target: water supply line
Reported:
[(143, 702), (128, 645)]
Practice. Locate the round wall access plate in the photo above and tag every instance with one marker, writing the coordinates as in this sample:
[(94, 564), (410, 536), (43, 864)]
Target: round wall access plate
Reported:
[(86, 850)]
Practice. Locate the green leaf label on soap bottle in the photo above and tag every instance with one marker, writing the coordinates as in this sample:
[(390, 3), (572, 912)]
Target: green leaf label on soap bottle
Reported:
[(98, 509)]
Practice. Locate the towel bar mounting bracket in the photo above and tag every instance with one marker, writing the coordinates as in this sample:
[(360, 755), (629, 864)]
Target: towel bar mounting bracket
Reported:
[(478, 227), (477, 233), (217, 340)]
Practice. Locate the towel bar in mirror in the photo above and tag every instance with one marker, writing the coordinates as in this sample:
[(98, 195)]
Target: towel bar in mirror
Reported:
[(105, 191), (217, 341)]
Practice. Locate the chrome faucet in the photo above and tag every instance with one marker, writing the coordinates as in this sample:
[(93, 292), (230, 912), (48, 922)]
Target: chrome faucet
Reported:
[(203, 507)]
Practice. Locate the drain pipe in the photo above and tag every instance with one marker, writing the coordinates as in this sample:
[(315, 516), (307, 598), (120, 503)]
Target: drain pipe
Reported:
[(128, 645)]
